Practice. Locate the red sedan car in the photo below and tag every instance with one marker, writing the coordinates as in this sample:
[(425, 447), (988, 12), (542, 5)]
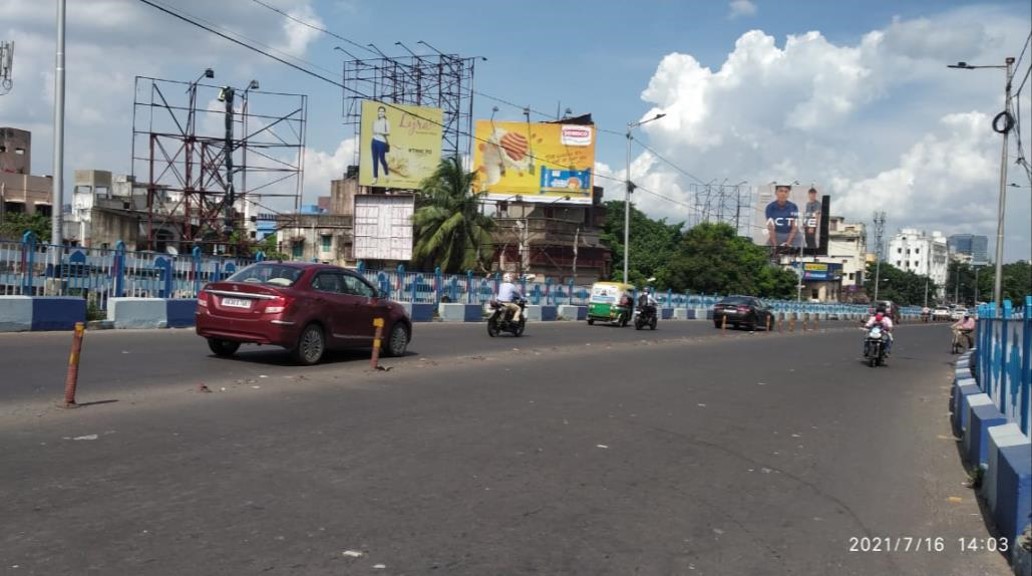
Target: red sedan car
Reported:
[(306, 308)]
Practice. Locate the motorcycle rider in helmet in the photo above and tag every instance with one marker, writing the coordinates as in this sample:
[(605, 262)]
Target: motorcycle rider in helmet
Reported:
[(886, 324), (647, 302), (508, 294), (647, 298)]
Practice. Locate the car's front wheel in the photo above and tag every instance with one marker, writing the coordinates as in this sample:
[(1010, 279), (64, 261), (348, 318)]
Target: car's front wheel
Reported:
[(310, 345), (397, 341), (223, 348)]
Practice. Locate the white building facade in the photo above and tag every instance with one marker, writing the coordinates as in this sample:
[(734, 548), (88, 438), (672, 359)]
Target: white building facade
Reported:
[(918, 252)]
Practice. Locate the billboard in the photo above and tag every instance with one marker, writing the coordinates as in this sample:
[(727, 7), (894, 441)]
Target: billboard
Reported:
[(792, 217), (822, 271), (542, 162), (399, 145), (383, 227)]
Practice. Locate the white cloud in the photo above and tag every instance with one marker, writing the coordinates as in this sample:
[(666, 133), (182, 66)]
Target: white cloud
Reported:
[(878, 124), (742, 9), (298, 35), (322, 167)]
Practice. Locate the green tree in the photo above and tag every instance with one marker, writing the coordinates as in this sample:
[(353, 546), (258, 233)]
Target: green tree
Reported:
[(1017, 282), (713, 259), (901, 286), (653, 243), (450, 231), (270, 246), (15, 225)]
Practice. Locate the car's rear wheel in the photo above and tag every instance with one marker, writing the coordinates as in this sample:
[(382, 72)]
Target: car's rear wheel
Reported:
[(223, 348), (397, 340), (310, 345), (591, 321)]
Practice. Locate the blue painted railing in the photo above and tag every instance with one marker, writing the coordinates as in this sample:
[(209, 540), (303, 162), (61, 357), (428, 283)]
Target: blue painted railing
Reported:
[(31, 268), (1003, 359)]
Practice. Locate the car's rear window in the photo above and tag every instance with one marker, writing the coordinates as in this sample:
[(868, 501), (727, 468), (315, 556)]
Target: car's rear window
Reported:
[(736, 300), (272, 274)]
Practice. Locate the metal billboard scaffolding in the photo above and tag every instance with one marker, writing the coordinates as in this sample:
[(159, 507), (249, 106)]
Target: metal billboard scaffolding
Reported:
[(438, 80), (728, 203), (208, 162)]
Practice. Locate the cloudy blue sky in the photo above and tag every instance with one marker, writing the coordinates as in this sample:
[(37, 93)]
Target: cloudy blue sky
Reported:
[(852, 95)]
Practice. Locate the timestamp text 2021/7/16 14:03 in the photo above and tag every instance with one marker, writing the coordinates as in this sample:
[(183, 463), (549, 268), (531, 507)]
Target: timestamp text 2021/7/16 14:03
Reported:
[(926, 544)]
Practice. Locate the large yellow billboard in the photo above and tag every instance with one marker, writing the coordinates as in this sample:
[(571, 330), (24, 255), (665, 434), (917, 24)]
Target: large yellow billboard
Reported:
[(537, 162), (399, 145)]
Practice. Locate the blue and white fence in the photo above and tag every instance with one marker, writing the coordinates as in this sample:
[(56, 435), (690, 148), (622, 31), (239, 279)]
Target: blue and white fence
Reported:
[(31, 269), (28, 268), (1003, 360)]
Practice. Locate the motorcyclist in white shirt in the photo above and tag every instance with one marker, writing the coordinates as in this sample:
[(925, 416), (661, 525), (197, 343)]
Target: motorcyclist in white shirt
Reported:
[(508, 294)]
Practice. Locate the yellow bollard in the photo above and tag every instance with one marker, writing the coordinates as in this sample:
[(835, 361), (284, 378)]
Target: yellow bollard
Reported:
[(375, 360)]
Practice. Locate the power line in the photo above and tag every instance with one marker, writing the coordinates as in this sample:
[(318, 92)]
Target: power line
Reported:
[(195, 21), (312, 26), (668, 162), (1023, 49)]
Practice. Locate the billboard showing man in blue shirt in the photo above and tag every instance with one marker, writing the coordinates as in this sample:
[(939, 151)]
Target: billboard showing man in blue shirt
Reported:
[(782, 217)]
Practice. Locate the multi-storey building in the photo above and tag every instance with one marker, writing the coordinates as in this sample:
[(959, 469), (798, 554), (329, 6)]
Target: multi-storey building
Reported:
[(975, 246), (918, 252)]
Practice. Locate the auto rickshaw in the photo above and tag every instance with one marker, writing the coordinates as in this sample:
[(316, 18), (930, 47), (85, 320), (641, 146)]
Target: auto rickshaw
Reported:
[(611, 302)]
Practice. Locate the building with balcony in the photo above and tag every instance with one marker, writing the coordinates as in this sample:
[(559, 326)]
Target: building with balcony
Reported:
[(838, 276), (559, 241)]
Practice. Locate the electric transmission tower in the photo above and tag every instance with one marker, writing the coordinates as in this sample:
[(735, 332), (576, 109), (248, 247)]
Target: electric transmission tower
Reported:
[(6, 67), (879, 233)]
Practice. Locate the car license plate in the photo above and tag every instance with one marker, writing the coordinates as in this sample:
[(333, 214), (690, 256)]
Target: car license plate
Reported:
[(236, 302)]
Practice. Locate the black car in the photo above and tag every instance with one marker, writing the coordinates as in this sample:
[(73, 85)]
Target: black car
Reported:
[(742, 311)]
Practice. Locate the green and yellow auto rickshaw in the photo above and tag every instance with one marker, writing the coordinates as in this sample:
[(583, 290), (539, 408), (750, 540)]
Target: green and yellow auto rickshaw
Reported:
[(611, 302)]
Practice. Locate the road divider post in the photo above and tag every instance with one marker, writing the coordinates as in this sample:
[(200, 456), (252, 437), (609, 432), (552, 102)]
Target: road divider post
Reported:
[(377, 338), (72, 378)]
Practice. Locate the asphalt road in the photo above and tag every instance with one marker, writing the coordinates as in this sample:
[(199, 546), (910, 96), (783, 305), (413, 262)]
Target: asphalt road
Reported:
[(35, 363), (678, 452)]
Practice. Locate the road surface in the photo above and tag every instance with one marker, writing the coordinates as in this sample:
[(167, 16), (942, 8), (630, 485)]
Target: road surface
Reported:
[(573, 450)]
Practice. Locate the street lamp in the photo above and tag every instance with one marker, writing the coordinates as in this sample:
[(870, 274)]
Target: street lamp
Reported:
[(252, 85), (1008, 123), (627, 194)]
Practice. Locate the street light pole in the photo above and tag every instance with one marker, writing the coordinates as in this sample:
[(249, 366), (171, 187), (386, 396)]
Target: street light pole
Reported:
[(627, 195), (1002, 208), (1008, 122), (57, 194)]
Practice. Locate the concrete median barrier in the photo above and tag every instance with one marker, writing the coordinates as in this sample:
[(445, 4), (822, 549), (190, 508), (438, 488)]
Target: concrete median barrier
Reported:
[(138, 312), (180, 313), (419, 312), (57, 312), (15, 313), (538, 313), (570, 312), (460, 312)]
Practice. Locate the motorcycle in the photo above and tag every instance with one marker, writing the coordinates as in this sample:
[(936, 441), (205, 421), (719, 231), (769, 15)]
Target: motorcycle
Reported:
[(874, 346), (645, 315), (501, 319)]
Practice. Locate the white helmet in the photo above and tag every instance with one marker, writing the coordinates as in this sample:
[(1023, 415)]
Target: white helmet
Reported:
[(507, 277)]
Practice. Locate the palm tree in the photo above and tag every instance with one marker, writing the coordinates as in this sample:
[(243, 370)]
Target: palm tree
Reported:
[(450, 230)]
